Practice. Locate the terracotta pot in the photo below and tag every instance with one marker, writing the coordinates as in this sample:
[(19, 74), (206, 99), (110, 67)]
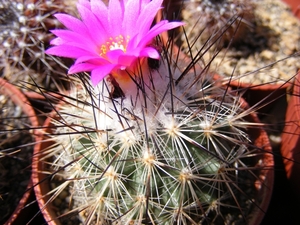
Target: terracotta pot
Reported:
[(259, 96), (290, 146), (295, 5), (41, 180), (22, 212), (43, 102), (265, 180), (263, 184), (262, 95)]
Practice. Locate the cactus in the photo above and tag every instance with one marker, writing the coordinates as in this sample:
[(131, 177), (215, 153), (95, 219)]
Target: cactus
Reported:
[(226, 22), (24, 34), (167, 146), (151, 138)]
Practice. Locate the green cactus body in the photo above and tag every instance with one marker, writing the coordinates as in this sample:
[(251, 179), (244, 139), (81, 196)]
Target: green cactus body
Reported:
[(165, 153)]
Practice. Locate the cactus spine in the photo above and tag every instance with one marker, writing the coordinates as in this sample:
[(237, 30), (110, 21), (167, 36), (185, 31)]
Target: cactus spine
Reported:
[(25, 34), (166, 146)]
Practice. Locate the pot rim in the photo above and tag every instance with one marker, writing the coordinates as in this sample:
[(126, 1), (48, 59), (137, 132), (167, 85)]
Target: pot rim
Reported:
[(18, 98), (264, 183), (291, 137)]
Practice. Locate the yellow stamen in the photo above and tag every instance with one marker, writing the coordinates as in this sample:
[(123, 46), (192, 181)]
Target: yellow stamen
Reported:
[(119, 42)]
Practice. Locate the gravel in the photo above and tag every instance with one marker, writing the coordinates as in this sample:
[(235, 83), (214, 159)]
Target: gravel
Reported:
[(268, 52)]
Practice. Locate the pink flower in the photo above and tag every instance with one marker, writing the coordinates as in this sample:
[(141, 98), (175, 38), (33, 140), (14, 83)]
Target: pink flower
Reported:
[(109, 38)]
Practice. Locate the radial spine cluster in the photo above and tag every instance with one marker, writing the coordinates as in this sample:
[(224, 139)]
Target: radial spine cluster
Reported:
[(164, 153)]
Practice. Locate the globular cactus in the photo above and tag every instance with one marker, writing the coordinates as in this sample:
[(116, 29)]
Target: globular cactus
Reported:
[(222, 22), (24, 34), (166, 146)]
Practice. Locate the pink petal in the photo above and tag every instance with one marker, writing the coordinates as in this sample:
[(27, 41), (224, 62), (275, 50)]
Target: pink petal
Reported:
[(71, 23), (102, 71), (158, 29), (131, 14), (92, 59), (84, 3), (150, 52), (101, 12), (57, 41), (164, 27), (72, 38), (96, 30), (126, 60), (151, 8), (113, 55), (66, 51), (83, 38), (133, 43), (148, 14), (146, 32), (82, 67), (115, 17)]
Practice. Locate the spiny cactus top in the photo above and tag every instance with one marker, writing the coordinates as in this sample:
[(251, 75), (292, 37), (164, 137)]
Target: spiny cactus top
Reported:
[(168, 147), (24, 34), (163, 153), (110, 37)]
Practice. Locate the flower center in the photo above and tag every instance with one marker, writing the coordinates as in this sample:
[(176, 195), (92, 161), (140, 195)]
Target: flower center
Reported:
[(119, 42)]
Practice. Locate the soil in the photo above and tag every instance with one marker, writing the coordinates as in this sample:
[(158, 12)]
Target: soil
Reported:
[(266, 52)]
